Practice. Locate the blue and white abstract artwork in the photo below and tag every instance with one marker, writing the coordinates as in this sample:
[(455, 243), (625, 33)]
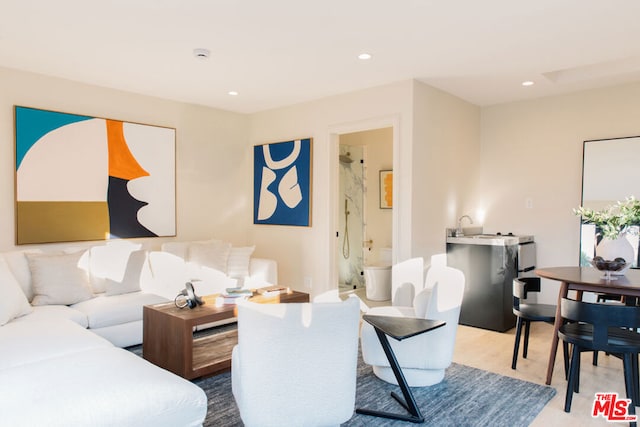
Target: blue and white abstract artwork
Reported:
[(282, 183)]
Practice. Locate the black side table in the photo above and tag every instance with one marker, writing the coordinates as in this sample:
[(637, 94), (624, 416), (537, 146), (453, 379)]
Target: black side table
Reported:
[(399, 328)]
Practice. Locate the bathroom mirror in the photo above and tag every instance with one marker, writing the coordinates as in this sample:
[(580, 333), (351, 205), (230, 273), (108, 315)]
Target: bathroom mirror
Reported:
[(610, 172)]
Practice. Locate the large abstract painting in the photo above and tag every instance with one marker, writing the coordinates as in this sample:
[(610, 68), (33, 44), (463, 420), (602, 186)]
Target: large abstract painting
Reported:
[(282, 183), (87, 178)]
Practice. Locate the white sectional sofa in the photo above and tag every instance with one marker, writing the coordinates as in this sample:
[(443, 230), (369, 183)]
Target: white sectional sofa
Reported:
[(121, 278), (97, 288), (55, 372), (64, 314)]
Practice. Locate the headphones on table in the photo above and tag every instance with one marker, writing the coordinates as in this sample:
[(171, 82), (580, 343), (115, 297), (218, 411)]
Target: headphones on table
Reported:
[(187, 297)]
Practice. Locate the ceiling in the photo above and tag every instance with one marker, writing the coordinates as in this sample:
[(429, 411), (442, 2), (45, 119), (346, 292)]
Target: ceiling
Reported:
[(282, 52)]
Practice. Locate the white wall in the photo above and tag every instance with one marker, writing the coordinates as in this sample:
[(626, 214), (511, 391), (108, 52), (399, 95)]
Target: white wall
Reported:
[(213, 162), (533, 150), (446, 151)]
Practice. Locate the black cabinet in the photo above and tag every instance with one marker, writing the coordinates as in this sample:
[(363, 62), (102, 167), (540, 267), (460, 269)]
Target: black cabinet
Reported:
[(489, 271)]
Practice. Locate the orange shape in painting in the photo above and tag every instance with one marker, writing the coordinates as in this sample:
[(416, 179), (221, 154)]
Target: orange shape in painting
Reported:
[(388, 189), (122, 164)]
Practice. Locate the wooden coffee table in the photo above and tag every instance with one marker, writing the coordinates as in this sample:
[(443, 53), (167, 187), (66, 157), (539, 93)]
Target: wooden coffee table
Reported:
[(168, 341)]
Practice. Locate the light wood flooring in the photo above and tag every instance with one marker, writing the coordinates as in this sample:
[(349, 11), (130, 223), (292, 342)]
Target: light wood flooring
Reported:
[(492, 351)]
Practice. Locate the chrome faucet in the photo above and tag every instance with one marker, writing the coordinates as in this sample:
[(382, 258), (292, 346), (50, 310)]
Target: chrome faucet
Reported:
[(459, 232)]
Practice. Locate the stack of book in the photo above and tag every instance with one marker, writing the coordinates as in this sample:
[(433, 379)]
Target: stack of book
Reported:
[(233, 295)]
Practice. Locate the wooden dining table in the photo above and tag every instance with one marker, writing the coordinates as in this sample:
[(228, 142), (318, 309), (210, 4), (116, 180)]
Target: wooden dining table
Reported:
[(585, 279)]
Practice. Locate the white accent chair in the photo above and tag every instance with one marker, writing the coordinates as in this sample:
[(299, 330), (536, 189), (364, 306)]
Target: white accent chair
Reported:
[(425, 357), (406, 281), (295, 364)]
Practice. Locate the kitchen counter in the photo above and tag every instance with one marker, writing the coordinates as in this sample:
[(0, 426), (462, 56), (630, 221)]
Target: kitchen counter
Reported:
[(490, 239)]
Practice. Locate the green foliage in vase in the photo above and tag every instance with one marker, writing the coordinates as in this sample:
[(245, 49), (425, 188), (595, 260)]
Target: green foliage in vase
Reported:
[(615, 220)]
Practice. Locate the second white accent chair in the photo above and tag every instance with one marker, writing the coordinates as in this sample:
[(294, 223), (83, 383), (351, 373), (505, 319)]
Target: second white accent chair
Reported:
[(425, 357), (407, 280)]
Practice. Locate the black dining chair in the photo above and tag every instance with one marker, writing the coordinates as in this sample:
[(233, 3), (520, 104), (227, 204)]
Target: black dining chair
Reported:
[(601, 327), (613, 298), (527, 312)]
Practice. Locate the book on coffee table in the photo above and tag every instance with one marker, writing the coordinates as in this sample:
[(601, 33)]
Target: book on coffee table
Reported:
[(230, 299), (237, 292), (273, 290)]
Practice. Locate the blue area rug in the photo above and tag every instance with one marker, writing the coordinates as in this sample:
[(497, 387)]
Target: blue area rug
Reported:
[(466, 397)]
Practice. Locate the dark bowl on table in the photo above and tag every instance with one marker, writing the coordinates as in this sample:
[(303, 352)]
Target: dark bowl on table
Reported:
[(609, 265)]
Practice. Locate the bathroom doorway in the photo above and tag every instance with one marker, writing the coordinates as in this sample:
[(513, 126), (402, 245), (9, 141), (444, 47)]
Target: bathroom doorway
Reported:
[(364, 225)]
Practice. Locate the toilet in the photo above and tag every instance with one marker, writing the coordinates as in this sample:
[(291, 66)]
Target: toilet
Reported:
[(377, 277)]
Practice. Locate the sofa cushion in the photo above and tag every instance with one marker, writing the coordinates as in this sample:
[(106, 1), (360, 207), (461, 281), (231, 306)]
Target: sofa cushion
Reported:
[(29, 342), (263, 272), (168, 274), (99, 387), (104, 311), (213, 254), (109, 262), (130, 280), (58, 278), (47, 313), (122, 335), (13, 301), (179, 249), (238, 261)]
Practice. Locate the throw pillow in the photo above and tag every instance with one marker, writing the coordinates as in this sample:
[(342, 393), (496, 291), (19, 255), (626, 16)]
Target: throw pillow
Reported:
[(58, 279), (13, 302), (238, 262), (19, 266), (213, 254), (131, 280), (109, 262)]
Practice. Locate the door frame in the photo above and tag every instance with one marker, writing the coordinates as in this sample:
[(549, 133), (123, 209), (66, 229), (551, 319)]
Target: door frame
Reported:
[(392, 121)]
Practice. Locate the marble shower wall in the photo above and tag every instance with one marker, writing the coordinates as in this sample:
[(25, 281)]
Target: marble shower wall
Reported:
[(352, 185)]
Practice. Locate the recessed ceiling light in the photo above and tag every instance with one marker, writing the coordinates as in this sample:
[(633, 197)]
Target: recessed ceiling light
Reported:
[(233, 93), (364, 56), (528, 83), (201, 53)]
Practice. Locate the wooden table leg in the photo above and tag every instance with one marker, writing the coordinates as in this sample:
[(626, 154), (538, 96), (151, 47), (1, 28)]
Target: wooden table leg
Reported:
[(564, 290)]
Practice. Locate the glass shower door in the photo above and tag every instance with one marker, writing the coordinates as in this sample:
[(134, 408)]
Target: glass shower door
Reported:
[(351, 217)]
